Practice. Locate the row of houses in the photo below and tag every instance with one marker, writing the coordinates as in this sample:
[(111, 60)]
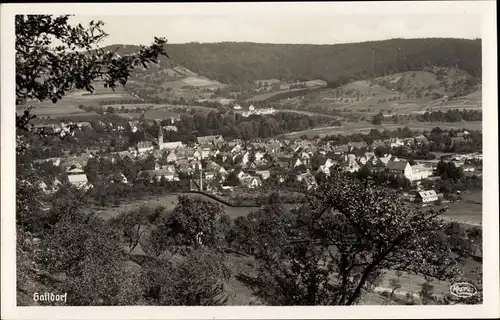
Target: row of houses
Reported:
[(388, 164), (62, 126)]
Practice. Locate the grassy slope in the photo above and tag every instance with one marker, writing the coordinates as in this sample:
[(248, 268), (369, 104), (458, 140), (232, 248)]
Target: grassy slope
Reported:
[(365, 127), (396, 92)]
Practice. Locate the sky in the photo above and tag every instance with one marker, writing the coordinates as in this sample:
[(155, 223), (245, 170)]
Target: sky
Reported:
[(285, 28)]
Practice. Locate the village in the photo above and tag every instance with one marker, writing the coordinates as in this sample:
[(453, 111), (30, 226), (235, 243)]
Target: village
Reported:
[(217, 166), (239, 172)]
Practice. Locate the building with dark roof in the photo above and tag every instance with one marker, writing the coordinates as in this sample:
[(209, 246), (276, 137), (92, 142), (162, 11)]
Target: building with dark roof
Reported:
[(400, 167)]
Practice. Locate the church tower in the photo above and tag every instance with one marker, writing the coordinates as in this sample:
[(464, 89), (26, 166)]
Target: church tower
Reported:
[(160, 138)]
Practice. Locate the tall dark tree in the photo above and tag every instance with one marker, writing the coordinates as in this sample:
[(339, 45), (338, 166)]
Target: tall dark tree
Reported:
[(75, 252), (341, 242), (45, 71)]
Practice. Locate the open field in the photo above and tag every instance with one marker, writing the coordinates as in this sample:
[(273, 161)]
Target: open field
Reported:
[(133, 106), (374, 95), (202, 82), (150, 114), (266, 96), (160, 114), (467, 210), (312, 114), (184, 76), (401, 106), (154, 106), (105, 96), (222, 101), (69, 104), (129, 115), (239, 293), (52, 110), (360, 127), (170, 201)]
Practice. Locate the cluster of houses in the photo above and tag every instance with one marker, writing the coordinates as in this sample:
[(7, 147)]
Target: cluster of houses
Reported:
[(253, 111), (211, 160), (257, 159), (76, 177), (62, 128)]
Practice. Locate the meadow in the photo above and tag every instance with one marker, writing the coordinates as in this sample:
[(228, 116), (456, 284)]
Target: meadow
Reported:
[(68, 106), (170, 201), (240, 293), (469, 210), (365, 127), (154, 106)]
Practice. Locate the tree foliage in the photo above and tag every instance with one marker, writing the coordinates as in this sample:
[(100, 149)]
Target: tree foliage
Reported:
[(337, 64), (198, 279), (337, 246), (63, 248), (448, 170), (88, 257), (192, 223), (329, 251), (54, 57)]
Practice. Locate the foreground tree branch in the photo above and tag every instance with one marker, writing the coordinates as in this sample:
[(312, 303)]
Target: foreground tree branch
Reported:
[(350, 234), (54, 57)]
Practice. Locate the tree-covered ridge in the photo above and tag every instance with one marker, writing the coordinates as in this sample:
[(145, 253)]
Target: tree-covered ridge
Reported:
[(243, 62)]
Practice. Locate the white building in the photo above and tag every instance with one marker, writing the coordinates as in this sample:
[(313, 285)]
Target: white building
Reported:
[(325, 169), (78, 178), (237, 148), (420, 172), (427, 196), (297, 163), (246, 158), (259, 155), (265, 174), (144, 146)]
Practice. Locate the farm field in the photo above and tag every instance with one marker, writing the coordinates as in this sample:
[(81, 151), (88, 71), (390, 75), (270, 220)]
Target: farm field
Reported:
[(265, 96), (240, 293), (401, 106), (197, 81), (133, 106), (129, 115), (349, 128), (160, 114), (150, 114), (69, 104), (154, 106), (308, 113), (373, 96), (170, 201), (467, 210), (43, 110), (105, 96)]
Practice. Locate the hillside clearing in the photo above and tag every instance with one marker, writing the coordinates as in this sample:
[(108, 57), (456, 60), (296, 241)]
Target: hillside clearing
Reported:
[(170, 201), (349, 128)]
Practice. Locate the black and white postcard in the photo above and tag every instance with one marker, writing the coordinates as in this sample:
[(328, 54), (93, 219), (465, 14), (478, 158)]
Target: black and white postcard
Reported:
[(249, 160)]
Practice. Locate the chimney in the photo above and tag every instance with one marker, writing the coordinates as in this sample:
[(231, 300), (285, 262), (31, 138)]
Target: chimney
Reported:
[(201, 179)]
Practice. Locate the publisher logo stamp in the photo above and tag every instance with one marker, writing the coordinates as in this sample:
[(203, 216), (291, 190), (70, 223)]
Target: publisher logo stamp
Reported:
[(463, 290)]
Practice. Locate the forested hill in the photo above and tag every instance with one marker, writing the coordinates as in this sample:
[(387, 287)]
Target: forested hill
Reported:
[(242, 62)]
